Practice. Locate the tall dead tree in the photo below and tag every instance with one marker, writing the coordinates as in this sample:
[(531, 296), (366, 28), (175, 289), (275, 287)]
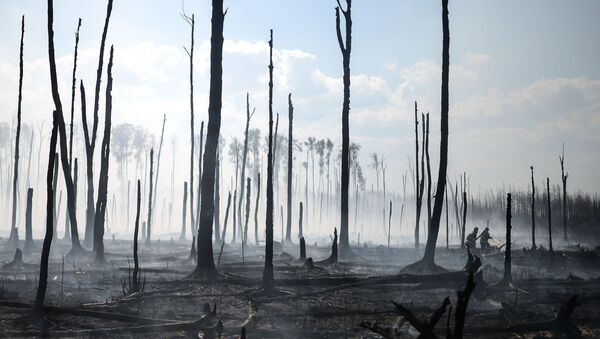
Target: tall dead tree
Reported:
[(432, 234), (300, 214), (162, 134), (201, 141), (290, 160), (191, 22), (225, 220), (184, 212), (346, 48), (464, 220), (64, 157), (549, 200), (564, 178), (426, 149), (268, 281), (244, 157), (14, 233), (73, 88), (419, 182), (533, 247), (38, 306), (90, 140), (99, 216), (256, 208), (149, 220), (206, 265)]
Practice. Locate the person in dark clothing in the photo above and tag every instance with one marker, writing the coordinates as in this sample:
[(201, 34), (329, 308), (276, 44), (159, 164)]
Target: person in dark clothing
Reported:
[(484, 239), (472, 238)]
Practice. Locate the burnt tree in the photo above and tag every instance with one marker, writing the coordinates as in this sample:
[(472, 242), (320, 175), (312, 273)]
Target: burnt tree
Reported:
[(149, 219), (300, 214), (290, 160), (206, 265), (191, 22), (564, 178), (247, 217), (184, 212), (99, 216), (38, 306), (507, 277), (136, 265), (533, 246), (549, 200), (29, 245), (432, 234), (90, 139), (346, 49), (256, 208), (217, 220), (14, 233), (243, 172), (268, 281)]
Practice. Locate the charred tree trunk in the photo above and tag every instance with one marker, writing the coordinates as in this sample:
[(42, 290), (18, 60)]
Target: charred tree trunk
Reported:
[(268, 281), (136, 265), (29, 245), (206, 263), (464, 220), (389, 225), (447, 229), (73, 88), (256, 208), (288, 234), (300, 215), (149, 220), (14, 233), (243, 172), (191, 22), (64, 157), (38, 305), (245, 237), (302, 248), (184, 212), (550, 248), (418, 181), (195, 227), (155, 194), (346, 50), (564, 190), (217, 220), (507, 278), (533, 246), (104, 162), (434, 228), (90, 140), (225, 221), (428, 171)]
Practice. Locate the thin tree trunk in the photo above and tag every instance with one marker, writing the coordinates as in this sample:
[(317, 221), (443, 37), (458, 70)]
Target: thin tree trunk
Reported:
[(217, 220), (389, 225), (199, 171), (428, 171), (244, 157), (550, 248), (73, 89), (90, 140), (268, 281), (14, 233), (226, 218), (29, 245), (346, 49), (247, 213), (162, 134), (184, 212), (104, 162), (38, 305), (288, 236), (206, 264), (507, 278), (533, 246), (564, 178), (256, 208), (464, 220), (417, 181), (191, 21), (300, 214), (150, 191), (136, 265)]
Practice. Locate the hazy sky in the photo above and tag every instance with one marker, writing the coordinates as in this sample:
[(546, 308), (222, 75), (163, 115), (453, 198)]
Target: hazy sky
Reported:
[(524, 75)]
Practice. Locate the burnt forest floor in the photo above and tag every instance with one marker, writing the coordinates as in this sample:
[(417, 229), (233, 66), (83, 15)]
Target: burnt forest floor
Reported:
[(324, 301)]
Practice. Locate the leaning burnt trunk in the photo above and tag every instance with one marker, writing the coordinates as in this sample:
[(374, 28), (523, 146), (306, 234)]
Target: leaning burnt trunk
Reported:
[(346, 48), (136, 265), (206, 265), (43, 278), (290, 160), (90, 139), (99, 217), (243, 172), (14, 233), (268, 281)]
